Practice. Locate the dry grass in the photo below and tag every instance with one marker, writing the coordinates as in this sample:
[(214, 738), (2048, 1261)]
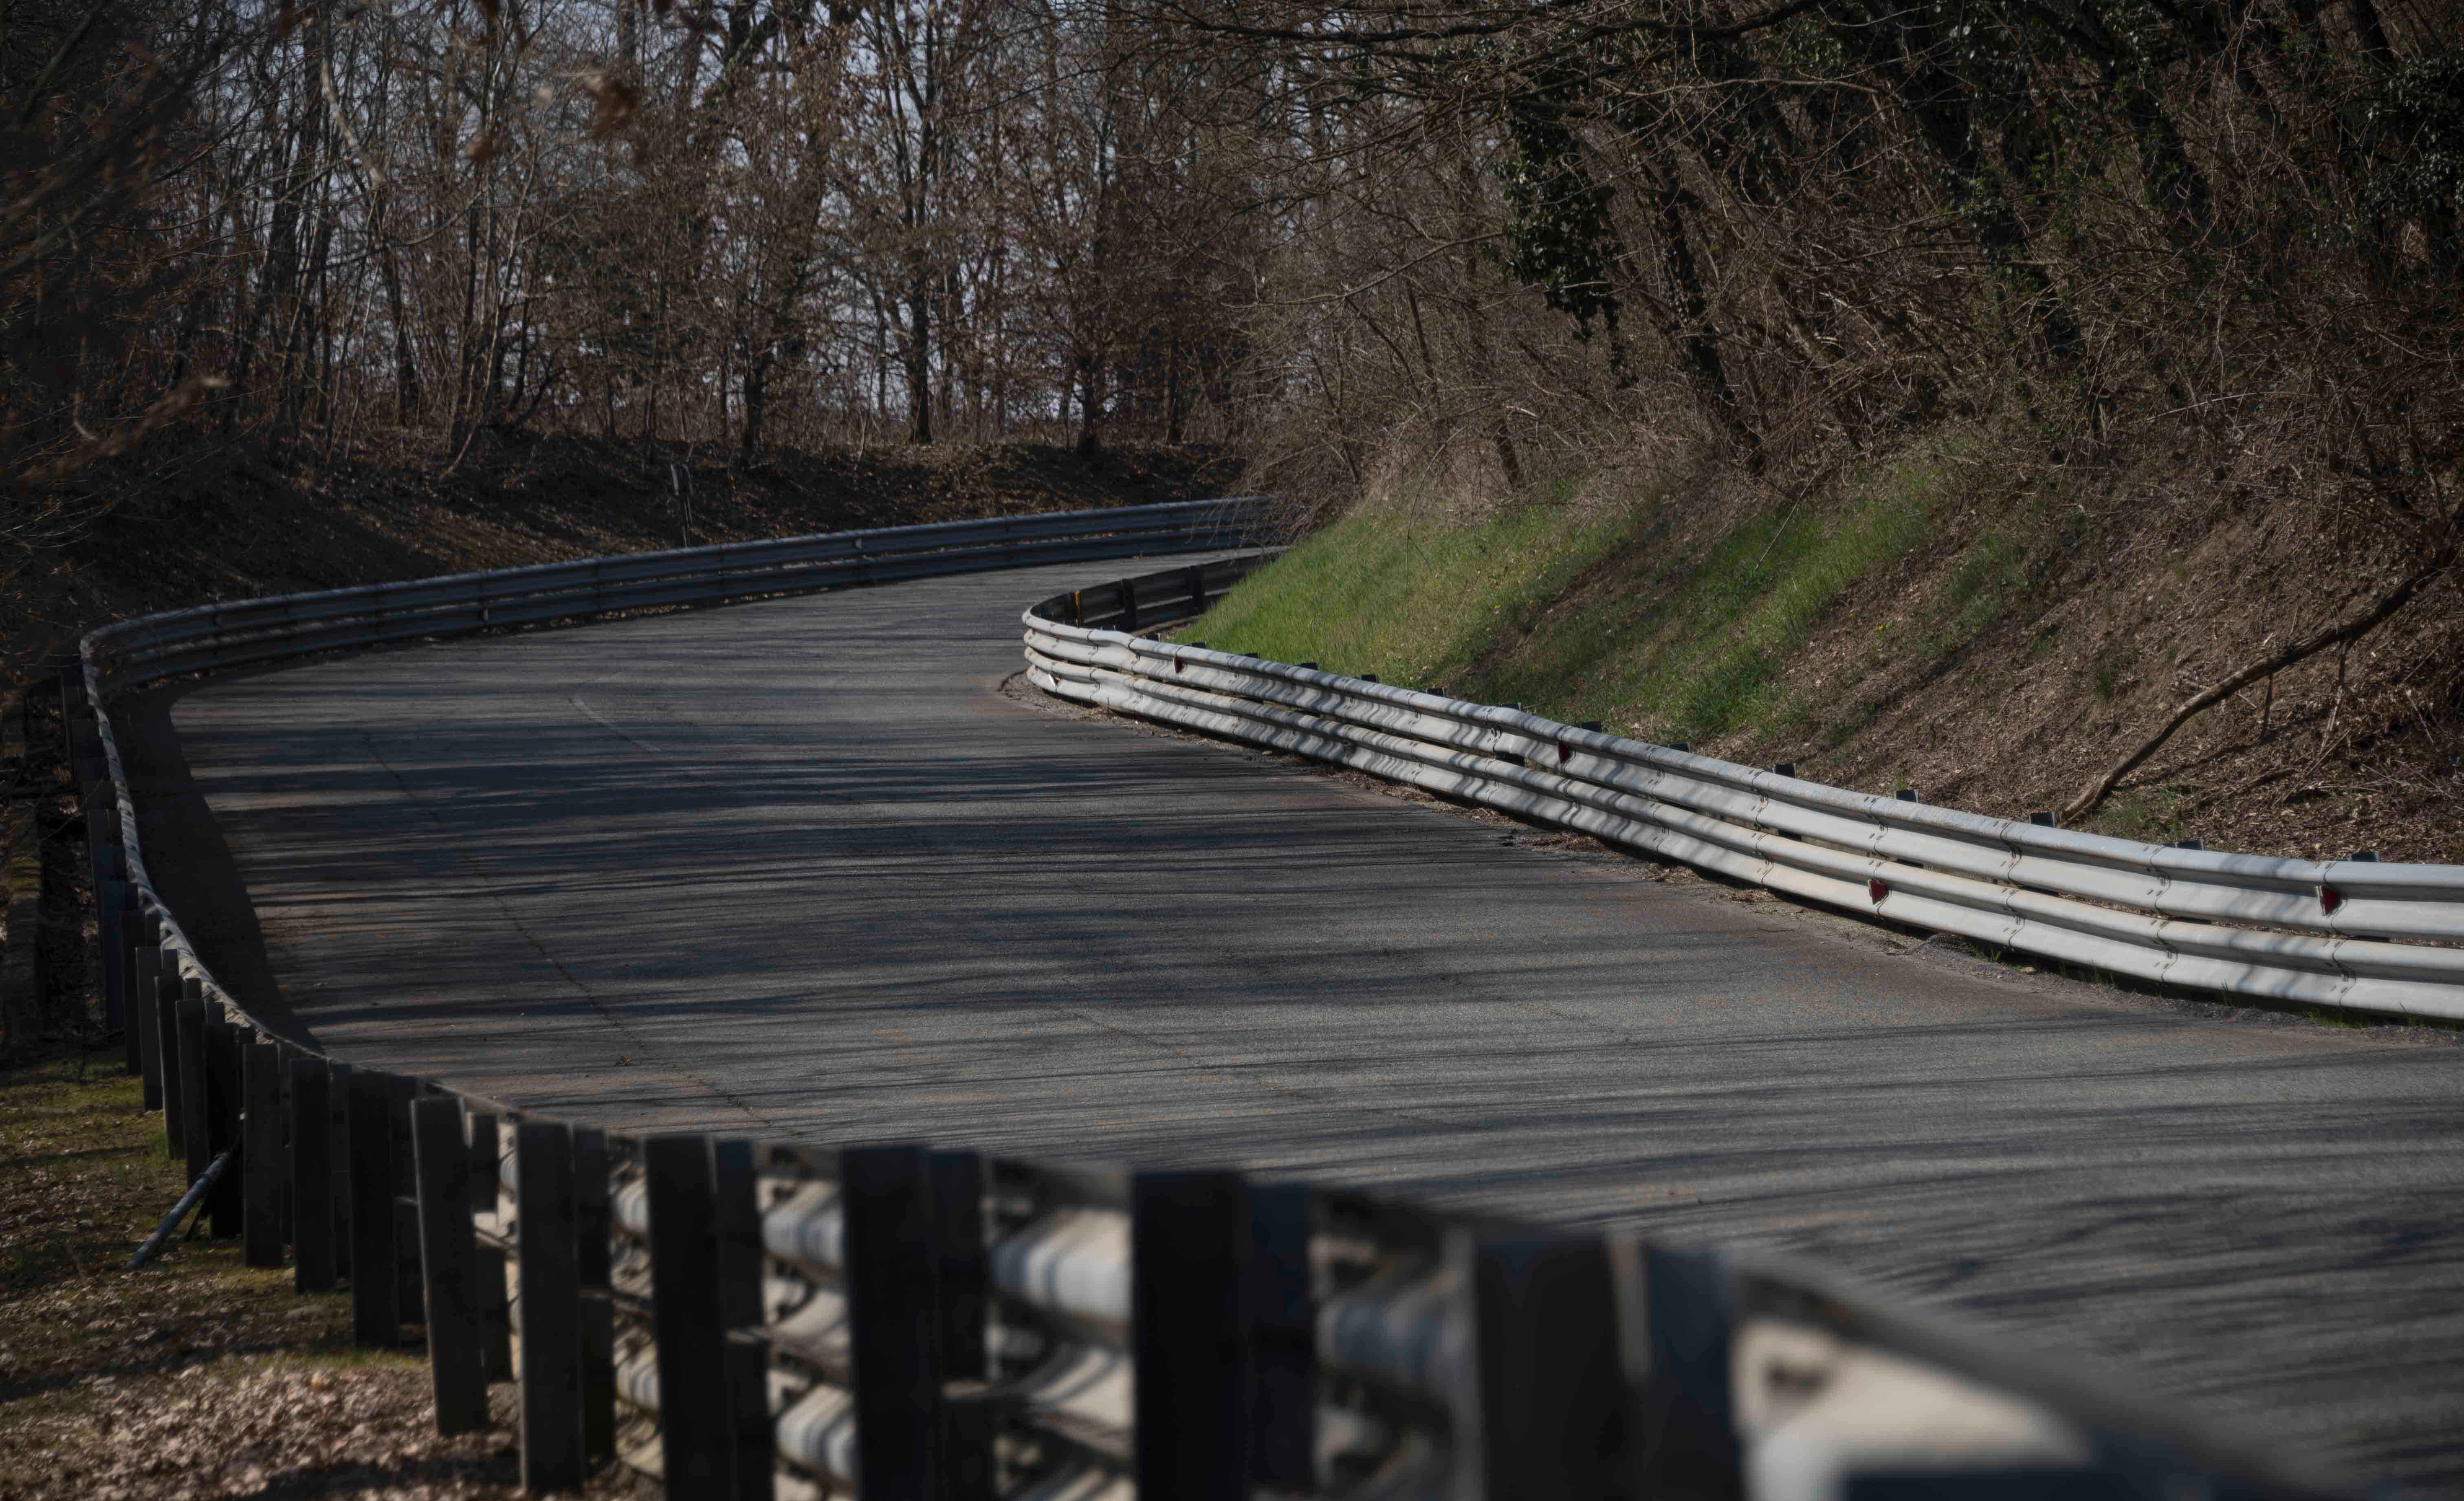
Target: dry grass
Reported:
[(194, 1376), (1970, 616)]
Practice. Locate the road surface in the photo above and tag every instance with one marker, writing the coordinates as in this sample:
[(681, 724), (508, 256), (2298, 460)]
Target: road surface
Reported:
[(801, 869)]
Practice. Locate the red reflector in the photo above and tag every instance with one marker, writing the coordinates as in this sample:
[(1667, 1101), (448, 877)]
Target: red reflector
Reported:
[(1564, 752), (2330, 899), (1179, 666), (1877, 890)]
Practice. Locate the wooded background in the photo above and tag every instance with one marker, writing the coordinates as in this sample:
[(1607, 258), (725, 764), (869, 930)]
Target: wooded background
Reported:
[(1337, 237)]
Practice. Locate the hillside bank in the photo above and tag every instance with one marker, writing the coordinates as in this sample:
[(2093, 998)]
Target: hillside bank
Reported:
[(1984, 621)]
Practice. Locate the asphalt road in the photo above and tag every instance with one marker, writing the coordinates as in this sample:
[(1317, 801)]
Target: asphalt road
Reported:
[(801, 869)]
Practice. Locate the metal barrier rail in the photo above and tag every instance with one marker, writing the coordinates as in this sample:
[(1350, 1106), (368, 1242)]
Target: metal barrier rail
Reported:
[(757, 1319), (2327, 933)]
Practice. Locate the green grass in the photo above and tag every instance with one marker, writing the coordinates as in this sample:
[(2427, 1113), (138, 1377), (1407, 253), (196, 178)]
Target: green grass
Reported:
[(1593, 613), (1414, 600)]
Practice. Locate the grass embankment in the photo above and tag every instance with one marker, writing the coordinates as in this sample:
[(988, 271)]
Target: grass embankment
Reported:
[(195, 1375), (1978, 621)]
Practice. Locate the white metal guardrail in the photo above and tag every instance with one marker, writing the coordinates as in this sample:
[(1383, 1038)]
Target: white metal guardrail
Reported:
[(2353, 933), (757, 1319)]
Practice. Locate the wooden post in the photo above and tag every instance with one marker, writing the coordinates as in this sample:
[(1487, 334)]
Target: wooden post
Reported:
[(496, 1310), (225, 1203), (1189, 1335), (1540, 1416), (312, 1177), (376, 1311), (337, 1156), (893, 1328), (1676, 1317), (401, 1090), (1283, 1340), (962, 1294), (695, 1441), (734, 1198), (261, 1156), (144, 1009), (189, 1092), (110, 901), (594, 1271), (962, 1271), (550, 1311), (442, 1160)]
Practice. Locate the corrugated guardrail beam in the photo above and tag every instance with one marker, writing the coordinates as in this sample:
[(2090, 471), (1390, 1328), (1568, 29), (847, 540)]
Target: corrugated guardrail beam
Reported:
[(2357, 933)]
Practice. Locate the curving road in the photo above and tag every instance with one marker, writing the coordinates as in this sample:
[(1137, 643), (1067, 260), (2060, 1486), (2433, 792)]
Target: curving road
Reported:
[(799, 868)]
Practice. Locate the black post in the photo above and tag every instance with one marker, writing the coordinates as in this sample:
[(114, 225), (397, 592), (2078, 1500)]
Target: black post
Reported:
[(496, 1310), (593, 1271), (337, 1156), (401, 1090), (376, 1309), (736, 1217), (695, 1441), (312, 1177), (183, 1085), (1189, 1335), (443, 1162), (110, 898), (893, 1329), (1678, 1313), (1541, 1418), (1196, 575), (963, 1292), (1129, 620), (550, 1311), (963, 1280), (223, 1202), (261, 1157), (1283, 1340), (144, 1011)]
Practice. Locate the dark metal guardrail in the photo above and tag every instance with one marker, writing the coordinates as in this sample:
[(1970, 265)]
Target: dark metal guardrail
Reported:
[(2356, 934), (750, 1319)]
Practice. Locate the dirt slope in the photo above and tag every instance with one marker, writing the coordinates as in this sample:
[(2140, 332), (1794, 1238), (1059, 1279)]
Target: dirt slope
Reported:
[(1983, 621)]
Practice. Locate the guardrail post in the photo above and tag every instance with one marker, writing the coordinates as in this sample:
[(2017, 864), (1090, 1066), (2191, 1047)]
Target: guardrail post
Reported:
[(145, 1004), (312, 1177), (1197, 575), (223, 1202), (736, 1191), (962, 1265), (443, 1164), (1676, 1317), (1539, 1413), (594, 1273), (550, 1310), (183, 1095), (1129, 620), (963, 1292), (1283, 1340), (337, 1156), (1189, 1333), (376, 1314), (401, 1090), (496, 1308), (694, 1443), (894, 1330), (115, 905), (261, 1157)]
